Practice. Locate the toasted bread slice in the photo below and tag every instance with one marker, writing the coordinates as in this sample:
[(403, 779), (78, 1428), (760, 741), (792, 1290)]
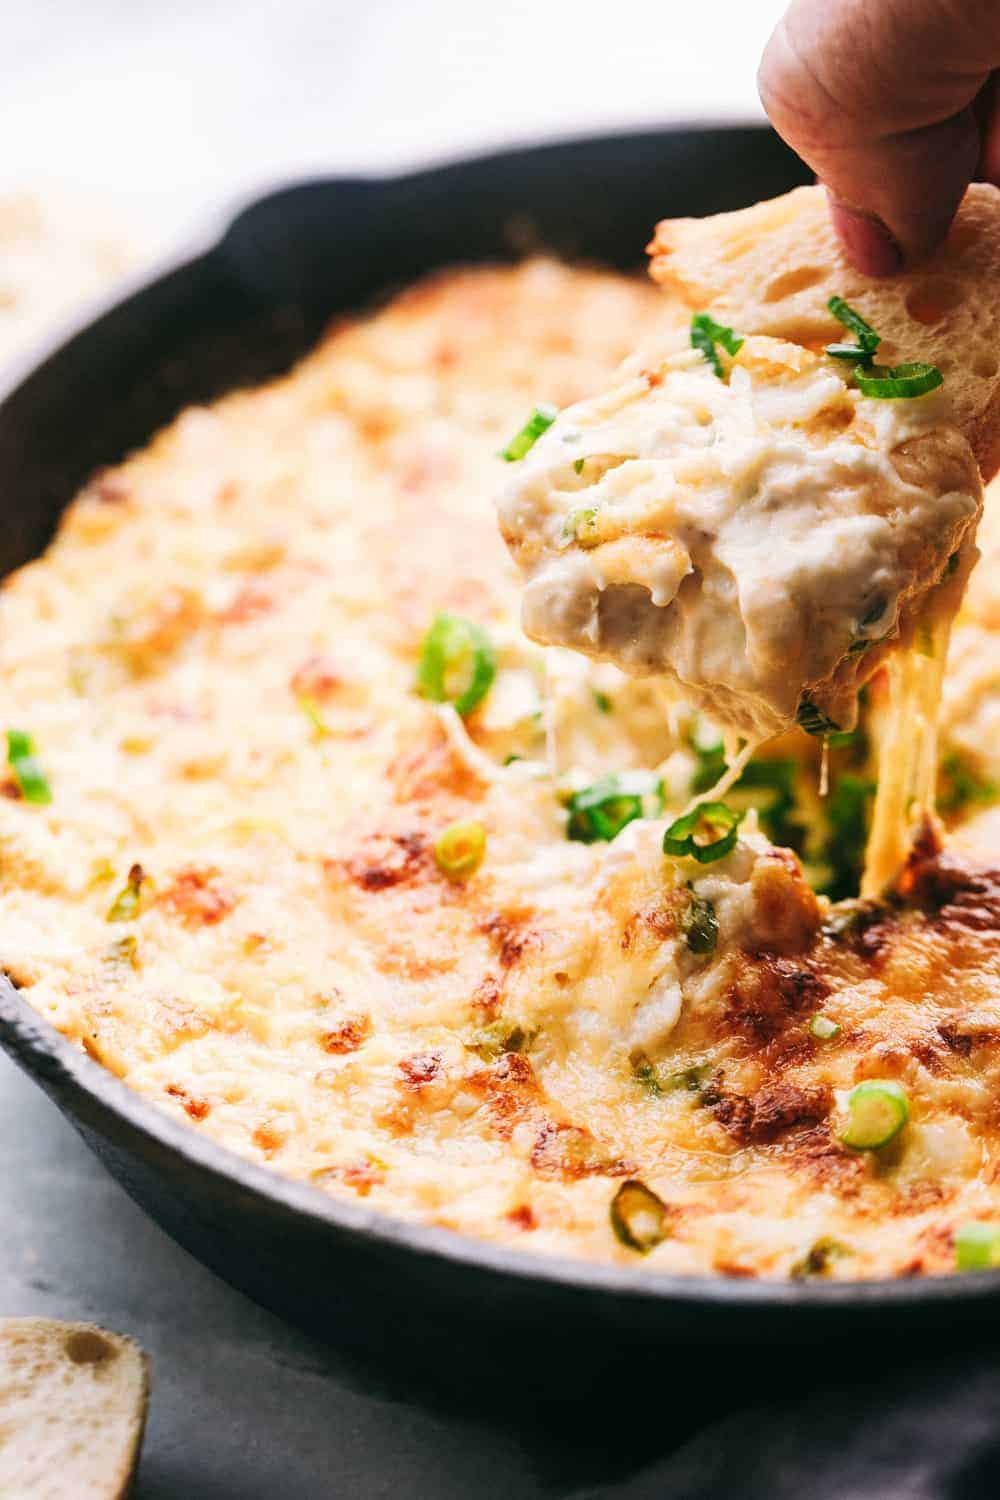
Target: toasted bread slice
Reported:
[(770, 269), (72, 1409)]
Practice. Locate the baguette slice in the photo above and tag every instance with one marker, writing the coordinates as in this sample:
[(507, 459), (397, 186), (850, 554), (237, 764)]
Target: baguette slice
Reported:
[(770, 269), (72, 1409)]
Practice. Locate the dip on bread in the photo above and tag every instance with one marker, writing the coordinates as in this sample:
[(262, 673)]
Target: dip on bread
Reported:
[(759, 539)]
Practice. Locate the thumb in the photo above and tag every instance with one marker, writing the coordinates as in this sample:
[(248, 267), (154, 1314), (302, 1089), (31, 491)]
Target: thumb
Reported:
[(877, 96)]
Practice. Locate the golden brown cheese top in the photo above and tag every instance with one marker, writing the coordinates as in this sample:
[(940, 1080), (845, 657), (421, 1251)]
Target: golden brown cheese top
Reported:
[(216, 660)]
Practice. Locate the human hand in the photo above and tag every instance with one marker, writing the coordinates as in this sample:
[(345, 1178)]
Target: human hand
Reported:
[(895, 105)]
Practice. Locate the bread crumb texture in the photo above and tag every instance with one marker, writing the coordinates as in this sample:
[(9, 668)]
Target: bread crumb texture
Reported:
[(72, 1407)]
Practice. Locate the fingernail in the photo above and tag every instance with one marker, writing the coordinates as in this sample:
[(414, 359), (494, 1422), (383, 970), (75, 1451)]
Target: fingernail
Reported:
[(866, 240)]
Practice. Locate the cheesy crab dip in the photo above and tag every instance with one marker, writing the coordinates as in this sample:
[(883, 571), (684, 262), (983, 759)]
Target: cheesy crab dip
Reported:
[(305, 842)]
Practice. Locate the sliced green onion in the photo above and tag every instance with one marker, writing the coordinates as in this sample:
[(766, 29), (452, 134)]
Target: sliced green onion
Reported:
[(853, 352), (602, 810), (767, 784), (27, 769), (309, 706), (977, 1246), (459, 850), (687, 1080), (645, 1074), (707, 833), (578, 464), (883, 382), (896, 382), (125, 906), (700, 925), (823, 1028), (817, 1259), (706, 334), (638, 1216), (812, 719), (540, 421), (581, 526), (868, 339), (123, 953), (457, 663), (492, 1041), (877, 1110), (602, 702)]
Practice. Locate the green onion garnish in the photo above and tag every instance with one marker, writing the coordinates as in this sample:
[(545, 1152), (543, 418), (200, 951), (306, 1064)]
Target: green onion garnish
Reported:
[(540, 421), (767, 785), (125, 906), (884, 382), (123, 953), (457, 663), (602, 702), (602, 810), (492, 1041), (977, 1246), (700, 925), (823, 1028), (895, 382), (706, 333), (638, 1216), (812, 719), (27, 770), (688, 1080), (868, 339), (816, 1261), (459, 850), (707, 833), (581, 526), (853, 352), (311, 709), (578, 464), (877, 1110)]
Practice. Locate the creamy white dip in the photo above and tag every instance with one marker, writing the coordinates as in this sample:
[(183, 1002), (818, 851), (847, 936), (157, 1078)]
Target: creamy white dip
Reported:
[(747, 537)]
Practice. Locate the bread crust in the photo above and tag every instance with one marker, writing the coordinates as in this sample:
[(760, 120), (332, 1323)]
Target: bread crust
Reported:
[(770, 269)]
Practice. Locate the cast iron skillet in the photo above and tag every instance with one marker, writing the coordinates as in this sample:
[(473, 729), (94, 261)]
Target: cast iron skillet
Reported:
[(237, 311)]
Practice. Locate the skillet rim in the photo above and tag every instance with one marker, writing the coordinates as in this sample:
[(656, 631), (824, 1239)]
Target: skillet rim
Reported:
[(50, 1058), (53, 1062)]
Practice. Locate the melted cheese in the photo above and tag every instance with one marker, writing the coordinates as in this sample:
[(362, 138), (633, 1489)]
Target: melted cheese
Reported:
[(305, 986), (743, 537)]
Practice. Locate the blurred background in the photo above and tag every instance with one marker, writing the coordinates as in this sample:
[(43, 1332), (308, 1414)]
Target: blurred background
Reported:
[(168, 108)]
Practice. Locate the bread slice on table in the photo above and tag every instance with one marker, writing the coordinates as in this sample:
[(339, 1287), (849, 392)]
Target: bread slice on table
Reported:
[(72, 1409), (771, 269)]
